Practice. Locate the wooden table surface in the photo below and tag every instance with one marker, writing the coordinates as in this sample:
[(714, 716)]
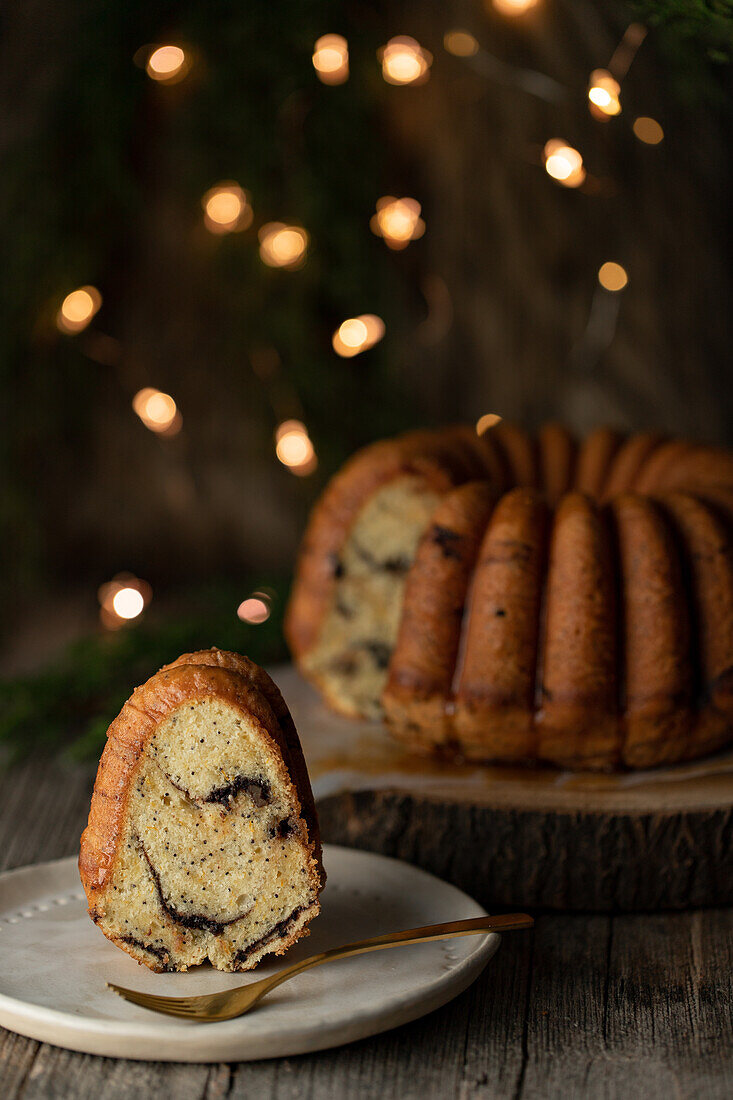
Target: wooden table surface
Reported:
[(586, 1005)]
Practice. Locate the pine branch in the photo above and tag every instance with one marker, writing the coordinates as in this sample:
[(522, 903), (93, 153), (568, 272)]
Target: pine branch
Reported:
[(69, 705)]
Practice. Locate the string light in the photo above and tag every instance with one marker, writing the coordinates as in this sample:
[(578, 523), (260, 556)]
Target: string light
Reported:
[(404, 61), (158, 411), (294, 448), (460, 43), (563, 163), (283, 245), (123, 599), (77, 309), (167, 64), (331, 59), (488, 420), (513, 7), (398, 221), (357, 334), (603, 94), (226, 208), (255, 609), (648, 130), (612, 276)]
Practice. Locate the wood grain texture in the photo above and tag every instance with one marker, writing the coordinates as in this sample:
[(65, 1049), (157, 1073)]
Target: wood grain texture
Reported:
[(607, 1006), (516, 256), (549, 859)]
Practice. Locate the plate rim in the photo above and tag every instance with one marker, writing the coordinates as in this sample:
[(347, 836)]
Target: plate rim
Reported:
[(91, 1035)]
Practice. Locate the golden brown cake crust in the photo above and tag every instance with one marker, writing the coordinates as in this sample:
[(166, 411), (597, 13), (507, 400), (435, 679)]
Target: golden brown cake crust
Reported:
[(637, 587), (195, 676), (441, 459), (424, 658), (496, 684)]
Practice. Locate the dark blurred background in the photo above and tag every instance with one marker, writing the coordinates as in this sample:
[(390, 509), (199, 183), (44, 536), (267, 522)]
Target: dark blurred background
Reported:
[(497, 307)]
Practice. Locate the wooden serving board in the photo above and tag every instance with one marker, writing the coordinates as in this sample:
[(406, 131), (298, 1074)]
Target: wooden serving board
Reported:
[(534, 837)]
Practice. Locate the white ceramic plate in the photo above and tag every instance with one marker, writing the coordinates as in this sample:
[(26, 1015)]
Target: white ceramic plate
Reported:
[(54, 965)]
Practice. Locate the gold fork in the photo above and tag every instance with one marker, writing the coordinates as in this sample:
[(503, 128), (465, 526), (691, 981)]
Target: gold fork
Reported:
[(235, 1002)]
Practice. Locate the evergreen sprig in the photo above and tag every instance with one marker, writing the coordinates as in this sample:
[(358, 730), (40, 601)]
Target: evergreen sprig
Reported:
[(69, 705)]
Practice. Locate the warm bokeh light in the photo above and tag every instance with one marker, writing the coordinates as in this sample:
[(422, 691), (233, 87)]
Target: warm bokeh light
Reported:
[(488, 420), (353, 333), (294, 448), (357, 334), (283, 245), (460, 43), (612, 276), (648, 130), (563, 163), (331, 59), (157, 411), (167, 64), (404, 61), (512, 7), (226, 208), (255, 609), (128, 603), (78, 308), (398, 221), (603, 94), (122, 599)]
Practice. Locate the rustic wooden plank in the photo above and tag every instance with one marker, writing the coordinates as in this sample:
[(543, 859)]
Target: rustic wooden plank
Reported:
[(60, 1073), (17, 1055), (43, 810), (565, 1016), (494, 1056), (409, 1063), (670, 1003), (641, 1007), (471, 1047), (593, 858)]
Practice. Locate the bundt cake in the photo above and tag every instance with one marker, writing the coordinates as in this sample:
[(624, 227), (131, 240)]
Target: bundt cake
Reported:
[(506, 597), (203, 839)]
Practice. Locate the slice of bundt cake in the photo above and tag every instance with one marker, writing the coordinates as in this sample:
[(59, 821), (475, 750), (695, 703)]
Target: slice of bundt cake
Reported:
[(518, 598), (203, 838)]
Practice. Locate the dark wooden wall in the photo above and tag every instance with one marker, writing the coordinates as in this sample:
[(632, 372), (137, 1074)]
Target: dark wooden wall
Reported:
[(508, 266), (518, 254)]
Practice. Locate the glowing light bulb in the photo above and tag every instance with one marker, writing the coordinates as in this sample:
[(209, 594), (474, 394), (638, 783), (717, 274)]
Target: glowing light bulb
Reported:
[(398, 221), (488, 420), (357, 334), (460, 43), (564, 163), (353, 333), (283, 245), (294, 448), (128, 603), (158, 411), (404, 61), (612, 276), (226, 208), (167, 64), (513, 7), (331, 59), (77, 309), (648, 130), (255, 609), (122, 599), (603, 94)]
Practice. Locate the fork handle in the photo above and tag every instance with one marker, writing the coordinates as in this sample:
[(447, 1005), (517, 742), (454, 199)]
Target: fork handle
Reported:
[(506, 922)]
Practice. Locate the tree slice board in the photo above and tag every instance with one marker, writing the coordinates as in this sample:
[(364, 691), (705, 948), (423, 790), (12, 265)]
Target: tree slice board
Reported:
[(523, 837)]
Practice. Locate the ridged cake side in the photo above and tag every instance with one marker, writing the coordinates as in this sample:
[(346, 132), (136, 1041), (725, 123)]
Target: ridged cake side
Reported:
[(583, 619)]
